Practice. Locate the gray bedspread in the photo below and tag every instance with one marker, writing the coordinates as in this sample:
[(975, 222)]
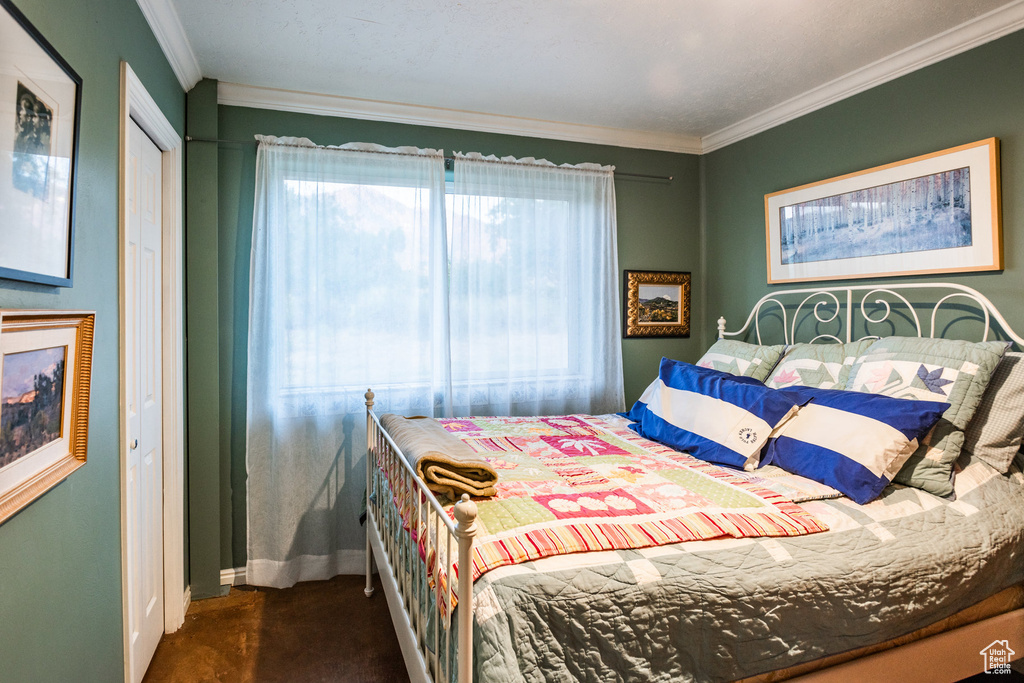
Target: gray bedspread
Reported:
[(726, 609)]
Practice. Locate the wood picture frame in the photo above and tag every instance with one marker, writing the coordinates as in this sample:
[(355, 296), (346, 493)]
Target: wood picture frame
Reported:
[(45, 379), (40, 109), (655, 304), (935, 213)]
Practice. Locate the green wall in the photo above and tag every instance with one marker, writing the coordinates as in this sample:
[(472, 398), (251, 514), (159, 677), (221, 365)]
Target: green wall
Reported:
[(60, 559), (658, 229), (709, 220), (202, 312), (972, 96)]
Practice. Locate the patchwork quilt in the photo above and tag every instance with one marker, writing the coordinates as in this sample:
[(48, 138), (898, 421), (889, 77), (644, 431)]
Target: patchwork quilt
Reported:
[(729, 608), (578, 483)]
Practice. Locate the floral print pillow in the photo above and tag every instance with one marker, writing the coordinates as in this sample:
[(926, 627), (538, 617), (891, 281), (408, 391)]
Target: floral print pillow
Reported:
[(930, 370), (821, 366)]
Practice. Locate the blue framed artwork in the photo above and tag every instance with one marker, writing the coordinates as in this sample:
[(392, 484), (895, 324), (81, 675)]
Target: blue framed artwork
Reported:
[(937, 213), (40, 105)]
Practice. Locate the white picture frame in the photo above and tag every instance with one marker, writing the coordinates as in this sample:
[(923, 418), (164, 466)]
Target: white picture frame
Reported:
[(936, 213)]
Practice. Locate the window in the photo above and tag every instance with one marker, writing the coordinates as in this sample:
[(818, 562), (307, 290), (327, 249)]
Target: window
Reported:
[(496, 296), (512, 273), (532, 292), (357, 260), (349, 280)]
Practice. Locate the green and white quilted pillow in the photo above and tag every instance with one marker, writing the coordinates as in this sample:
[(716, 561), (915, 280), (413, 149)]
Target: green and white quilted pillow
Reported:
[(822, 366), (742, 359), (930, 370)]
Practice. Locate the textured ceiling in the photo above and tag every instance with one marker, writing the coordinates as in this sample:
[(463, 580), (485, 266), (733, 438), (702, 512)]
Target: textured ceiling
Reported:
[(686, 67)]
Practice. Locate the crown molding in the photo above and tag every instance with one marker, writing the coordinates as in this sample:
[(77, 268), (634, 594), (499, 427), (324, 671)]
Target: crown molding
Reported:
[(170, 34), (236, 95), (986, 28)]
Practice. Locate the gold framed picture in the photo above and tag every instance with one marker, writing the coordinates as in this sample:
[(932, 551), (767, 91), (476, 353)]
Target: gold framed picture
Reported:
[(655, 304), (936, 213), (45, 376)]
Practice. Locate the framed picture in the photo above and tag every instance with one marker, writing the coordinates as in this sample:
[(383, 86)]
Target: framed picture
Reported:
[(655, 304), (937, 213), (40, 103), (45, 372)]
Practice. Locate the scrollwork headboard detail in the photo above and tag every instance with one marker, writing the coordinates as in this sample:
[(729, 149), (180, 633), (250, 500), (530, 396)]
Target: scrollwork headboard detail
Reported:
[(869, 306)]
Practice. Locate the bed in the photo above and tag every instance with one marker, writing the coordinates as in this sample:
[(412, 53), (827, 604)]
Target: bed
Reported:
[(911, 584)]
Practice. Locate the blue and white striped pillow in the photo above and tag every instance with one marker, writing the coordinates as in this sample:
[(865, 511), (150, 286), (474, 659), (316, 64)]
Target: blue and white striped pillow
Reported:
[(852, 441), (709, 414)]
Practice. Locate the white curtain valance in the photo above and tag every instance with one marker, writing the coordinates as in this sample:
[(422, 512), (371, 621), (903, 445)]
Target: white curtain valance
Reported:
[(347, 147), (531, 161)]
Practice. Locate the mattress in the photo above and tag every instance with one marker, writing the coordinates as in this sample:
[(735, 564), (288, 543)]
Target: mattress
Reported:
[(728, 609)]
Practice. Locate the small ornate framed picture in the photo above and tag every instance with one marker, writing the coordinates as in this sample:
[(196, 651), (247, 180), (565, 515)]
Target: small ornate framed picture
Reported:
[(655, 304)]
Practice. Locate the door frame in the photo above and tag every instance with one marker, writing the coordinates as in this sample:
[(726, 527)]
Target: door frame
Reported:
[(138, 105)]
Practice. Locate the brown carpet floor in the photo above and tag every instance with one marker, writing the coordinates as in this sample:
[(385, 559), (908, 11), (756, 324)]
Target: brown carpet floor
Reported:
[(315, 631)]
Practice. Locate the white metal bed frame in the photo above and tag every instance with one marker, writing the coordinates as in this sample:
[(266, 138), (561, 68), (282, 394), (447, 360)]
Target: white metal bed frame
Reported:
[(424, 629), (438, 650), (828, 300)]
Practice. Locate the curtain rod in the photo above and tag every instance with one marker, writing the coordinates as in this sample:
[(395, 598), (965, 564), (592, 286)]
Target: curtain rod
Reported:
[(189, 138)]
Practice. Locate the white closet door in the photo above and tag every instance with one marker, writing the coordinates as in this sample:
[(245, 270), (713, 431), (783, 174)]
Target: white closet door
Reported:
[(144, 481)]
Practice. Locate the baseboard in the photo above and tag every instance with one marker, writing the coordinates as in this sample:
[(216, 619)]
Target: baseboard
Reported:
[(353, 565), (186, 600), (232, 577)]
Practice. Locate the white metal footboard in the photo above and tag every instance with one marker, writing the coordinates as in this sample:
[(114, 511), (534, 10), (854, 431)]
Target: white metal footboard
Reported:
[(407, 532)]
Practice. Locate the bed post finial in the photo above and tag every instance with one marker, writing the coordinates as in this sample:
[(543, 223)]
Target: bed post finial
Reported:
[(465, 515), (721, 327), (465, 530), (369, 398)]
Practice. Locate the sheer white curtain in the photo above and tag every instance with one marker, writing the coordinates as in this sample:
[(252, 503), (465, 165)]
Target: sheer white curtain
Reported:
[(533, 293), (348, 291)]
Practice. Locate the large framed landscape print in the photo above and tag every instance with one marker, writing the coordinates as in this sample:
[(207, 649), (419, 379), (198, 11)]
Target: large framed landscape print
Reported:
[(45, 377), (936, 213), (40, 100)]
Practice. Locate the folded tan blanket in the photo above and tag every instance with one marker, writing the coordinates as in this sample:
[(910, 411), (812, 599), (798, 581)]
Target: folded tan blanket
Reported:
[(446, 464)]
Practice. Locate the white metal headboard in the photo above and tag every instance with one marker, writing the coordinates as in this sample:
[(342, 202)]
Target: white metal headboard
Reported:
[(827, 303)]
